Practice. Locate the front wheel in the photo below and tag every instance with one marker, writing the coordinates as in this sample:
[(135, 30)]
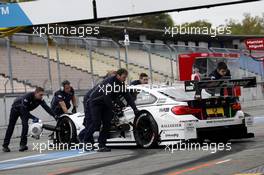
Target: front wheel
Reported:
[(145, 131), (67, 133)]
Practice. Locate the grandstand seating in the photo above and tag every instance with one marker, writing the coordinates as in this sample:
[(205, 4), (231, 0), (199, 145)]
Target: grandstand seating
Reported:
[(140, 57), (34, 69), (77, 56), (105, 59), (251, 65), (75, 63), (135, 68), (18, 86)]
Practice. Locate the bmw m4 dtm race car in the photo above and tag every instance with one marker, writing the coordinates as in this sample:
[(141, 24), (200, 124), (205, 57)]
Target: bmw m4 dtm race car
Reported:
[(169, 114)]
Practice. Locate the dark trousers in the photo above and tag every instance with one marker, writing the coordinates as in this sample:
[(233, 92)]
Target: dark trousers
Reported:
[(14, 114), (86, 122), (100, 114)]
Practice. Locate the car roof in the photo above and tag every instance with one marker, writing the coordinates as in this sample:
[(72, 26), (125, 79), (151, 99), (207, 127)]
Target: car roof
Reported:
[(158, 87)]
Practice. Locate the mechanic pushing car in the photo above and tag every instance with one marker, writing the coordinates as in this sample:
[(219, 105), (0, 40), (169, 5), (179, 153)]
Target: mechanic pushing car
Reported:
[(87, 95), (21, 108), (143, 79), (61, 101), (87, 113), (101, 106)]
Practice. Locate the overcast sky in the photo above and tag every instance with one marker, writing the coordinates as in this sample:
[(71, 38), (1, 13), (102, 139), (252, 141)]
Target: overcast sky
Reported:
[(218, 15)]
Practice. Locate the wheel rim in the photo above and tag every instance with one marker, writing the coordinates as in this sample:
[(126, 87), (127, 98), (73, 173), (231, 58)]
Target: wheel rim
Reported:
[(145, 131)]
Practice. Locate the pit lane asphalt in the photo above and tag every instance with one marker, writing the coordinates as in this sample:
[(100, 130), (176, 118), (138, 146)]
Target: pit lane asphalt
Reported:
[(245, 157)]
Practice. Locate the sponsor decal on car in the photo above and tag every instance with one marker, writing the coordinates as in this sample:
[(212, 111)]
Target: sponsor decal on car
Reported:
[(164, 109), (249, 121), (172, 135), (189, 127), (175, 125), (220, 121), (182, 121)]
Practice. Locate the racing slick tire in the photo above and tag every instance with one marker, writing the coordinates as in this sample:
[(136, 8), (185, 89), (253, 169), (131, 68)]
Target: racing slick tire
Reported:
[(67, 133), (146, 130)]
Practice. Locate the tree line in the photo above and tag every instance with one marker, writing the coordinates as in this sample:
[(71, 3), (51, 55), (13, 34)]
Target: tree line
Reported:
[(249, 25)]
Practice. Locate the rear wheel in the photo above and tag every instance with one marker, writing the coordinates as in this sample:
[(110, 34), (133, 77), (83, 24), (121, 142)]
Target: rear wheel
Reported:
[(67, 133), (146, 131)]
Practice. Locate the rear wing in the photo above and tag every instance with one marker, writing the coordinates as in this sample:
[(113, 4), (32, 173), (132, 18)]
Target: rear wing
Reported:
[(198, 86)]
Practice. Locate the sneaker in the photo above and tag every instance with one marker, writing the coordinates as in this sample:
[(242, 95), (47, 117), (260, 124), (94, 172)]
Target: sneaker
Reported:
[(23, 148), (104, 149), (6, 149)]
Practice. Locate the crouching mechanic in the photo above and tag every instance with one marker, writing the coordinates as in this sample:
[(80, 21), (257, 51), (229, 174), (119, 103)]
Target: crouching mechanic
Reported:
[(21, 108), (61, 101), (101, 107)]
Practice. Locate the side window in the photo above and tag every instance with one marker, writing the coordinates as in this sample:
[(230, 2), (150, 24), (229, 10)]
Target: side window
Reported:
[(145, 98)]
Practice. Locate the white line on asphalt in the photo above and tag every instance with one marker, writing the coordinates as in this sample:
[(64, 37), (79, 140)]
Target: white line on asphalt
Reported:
[(223, 161), (45, 161), (20, 158)]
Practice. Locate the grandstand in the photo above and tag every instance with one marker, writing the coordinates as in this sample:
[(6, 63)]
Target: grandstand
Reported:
[(33, 69), (103, 59), (30, 60), (19, 86)]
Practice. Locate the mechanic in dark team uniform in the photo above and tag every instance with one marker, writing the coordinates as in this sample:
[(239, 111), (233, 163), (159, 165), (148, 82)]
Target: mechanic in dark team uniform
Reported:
[(21, 108), (61, 101), (221, 72), (87, 113), (87, 95), (143, 79), (101, 106)]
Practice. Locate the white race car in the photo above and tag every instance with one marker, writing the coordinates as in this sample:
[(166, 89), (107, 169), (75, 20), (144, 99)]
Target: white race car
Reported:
[(169, 114)]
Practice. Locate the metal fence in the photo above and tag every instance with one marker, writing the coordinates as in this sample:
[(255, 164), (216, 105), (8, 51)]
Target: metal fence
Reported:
[(30, 60), (154, 58)]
